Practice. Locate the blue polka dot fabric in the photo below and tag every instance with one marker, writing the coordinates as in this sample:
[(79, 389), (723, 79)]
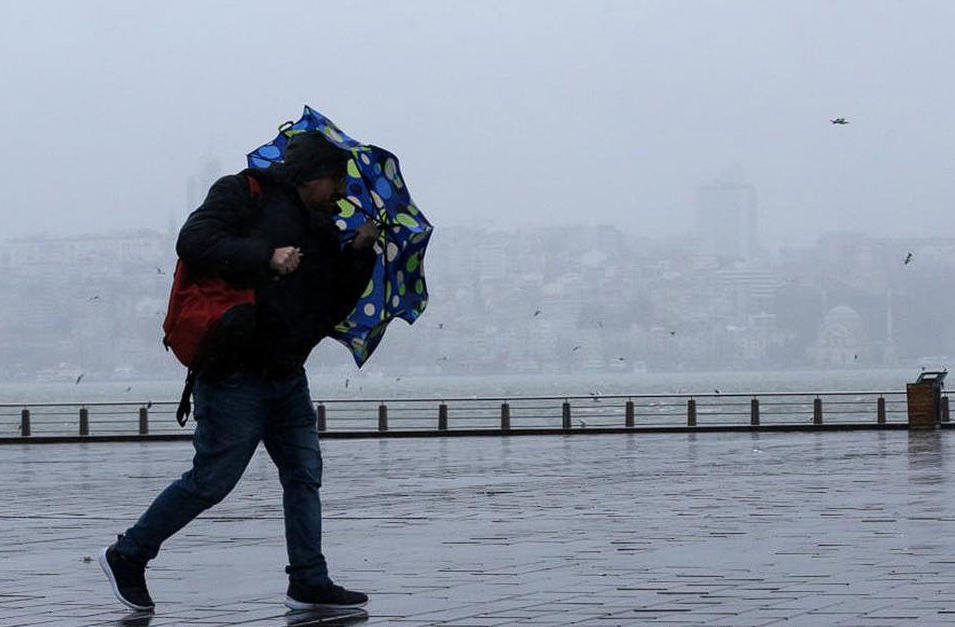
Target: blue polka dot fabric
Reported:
[(376, 191)]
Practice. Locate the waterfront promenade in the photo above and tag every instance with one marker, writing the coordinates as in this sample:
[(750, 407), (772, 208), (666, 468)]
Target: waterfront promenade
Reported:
[(745, 529)]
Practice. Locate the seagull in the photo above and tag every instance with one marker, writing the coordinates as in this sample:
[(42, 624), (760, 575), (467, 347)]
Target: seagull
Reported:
[(79, 378), (576, 348), (537, 312), (908, 259), (715, 391), (92, 298), (839, 121), (397, 379)]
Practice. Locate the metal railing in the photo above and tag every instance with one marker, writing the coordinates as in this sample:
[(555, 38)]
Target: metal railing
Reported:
[(20, 421)]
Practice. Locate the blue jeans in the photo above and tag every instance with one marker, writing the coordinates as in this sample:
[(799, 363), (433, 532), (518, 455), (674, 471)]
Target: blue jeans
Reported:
[(232, 416)]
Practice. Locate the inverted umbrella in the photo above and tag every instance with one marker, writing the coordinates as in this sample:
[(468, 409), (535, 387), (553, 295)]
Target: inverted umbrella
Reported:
[(376, 191)]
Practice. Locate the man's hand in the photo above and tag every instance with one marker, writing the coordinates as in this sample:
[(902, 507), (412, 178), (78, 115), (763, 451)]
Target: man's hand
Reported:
[(285, 259), (365, 236)]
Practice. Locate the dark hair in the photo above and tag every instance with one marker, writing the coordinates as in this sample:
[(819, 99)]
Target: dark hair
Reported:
[(309, 156)]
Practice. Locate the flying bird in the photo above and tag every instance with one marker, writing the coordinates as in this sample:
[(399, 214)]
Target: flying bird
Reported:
[(96, 297), (537, 312), (839, 121), (159, 270), (346, 384), (582, 423), (445, 358), (79, 378), (672, 332), (576, 348), (621, 359), (715, 391), (128, 388), (149, 404), (908, 259), (440, 325)]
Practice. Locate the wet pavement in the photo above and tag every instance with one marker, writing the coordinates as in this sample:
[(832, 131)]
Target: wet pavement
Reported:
[(747, 529)]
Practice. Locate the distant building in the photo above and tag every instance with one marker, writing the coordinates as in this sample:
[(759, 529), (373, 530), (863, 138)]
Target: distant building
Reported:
[(842, 340), (745, 289), (726, 220), (97, 255), (197, 185)]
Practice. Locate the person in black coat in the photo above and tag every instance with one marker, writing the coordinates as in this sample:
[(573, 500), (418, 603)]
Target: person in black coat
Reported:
[(250, 384)]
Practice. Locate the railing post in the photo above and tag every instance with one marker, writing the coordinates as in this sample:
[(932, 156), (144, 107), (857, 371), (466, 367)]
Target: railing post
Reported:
[(143, 421), (382, 417), (691, 412), (754, 412), (565, 414), (628, 414), (320, 420), (817, 411), (505, 417), (442, 417), (25, 422), (84, 421), (945, 417), (880, 410)]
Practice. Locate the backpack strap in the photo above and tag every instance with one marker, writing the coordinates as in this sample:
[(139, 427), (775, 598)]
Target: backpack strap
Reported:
[(255, 189), (185, 407)]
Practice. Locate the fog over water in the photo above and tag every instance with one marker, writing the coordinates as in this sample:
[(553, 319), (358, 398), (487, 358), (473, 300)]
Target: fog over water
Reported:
[(616, 187)]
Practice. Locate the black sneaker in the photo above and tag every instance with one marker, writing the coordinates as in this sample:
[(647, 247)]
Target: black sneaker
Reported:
[(329, 596), (128, 577)]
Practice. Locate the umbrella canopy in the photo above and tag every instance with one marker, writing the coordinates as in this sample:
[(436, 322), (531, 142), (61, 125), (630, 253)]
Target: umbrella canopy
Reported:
[(376, 191)]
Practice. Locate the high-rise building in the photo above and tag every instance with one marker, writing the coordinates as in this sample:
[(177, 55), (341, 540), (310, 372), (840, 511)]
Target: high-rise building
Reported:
[(726, 220), (197, 185)]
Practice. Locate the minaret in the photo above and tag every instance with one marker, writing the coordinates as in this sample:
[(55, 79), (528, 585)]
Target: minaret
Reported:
[(889, 357)]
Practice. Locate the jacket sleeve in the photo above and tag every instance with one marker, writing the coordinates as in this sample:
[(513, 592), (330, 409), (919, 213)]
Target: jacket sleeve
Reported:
[(213, 239)]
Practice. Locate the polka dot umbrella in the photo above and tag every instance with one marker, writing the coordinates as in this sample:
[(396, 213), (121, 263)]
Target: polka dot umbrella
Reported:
[(375, 191)]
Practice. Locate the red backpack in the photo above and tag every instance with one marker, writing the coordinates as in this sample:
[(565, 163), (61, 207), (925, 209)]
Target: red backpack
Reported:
[(196, 303)]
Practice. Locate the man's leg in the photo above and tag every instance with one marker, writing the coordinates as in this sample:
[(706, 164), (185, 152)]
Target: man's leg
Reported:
[(292, 441), (229, 415)]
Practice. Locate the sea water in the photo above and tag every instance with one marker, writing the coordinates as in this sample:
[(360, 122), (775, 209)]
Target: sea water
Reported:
[(358, 385)]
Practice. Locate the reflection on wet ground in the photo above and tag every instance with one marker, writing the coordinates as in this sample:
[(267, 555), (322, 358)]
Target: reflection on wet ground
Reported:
[(697, 529)]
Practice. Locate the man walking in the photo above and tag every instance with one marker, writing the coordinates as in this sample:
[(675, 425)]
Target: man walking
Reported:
[(250, 384)]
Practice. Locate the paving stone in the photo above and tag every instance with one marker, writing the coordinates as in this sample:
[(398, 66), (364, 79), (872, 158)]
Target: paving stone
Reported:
[(854, 528)]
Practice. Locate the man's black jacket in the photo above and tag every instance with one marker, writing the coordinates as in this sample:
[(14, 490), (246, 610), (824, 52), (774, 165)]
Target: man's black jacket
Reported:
[(234, 234)]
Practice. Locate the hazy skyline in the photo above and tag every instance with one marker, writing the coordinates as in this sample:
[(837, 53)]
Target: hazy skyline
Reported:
[(502, 113)]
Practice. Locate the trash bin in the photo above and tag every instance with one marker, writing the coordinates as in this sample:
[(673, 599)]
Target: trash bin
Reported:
[(925, 400)]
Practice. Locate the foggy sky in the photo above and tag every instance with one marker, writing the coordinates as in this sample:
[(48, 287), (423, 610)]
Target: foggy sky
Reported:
[(501, 112)]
